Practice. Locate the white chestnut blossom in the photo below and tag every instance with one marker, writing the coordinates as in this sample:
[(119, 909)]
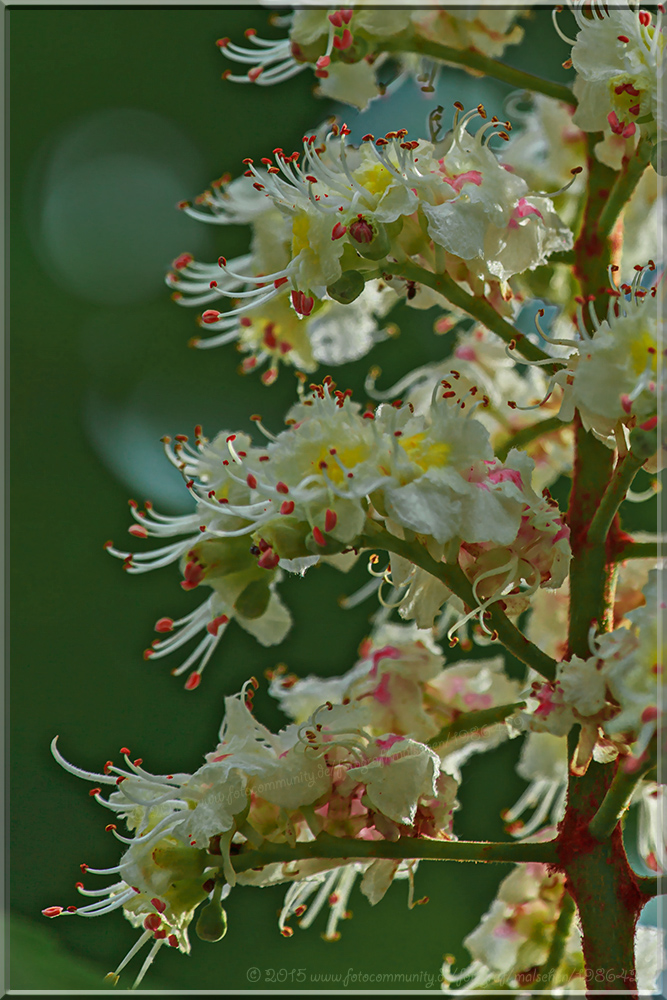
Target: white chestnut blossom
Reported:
[(345, 46), (242, 591), (266, 327), (513, 939), (349, 207), (327, 775), (615, 377), (618, 56), (515, 933)]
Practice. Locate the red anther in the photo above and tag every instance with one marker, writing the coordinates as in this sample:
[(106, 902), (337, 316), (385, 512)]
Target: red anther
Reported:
[(124, 750), (251, 481), (626, 402), (448, 395), (94, 791), (52, 911), (182, 204), (338, 231), (120, 779), (258, 186), (268, 560), (287, 507), (311, 178), (623, 38), (649, 714), (173, 940), (336, 19), (323, 62), (214, 625), (330, 519), (193, 681), (138, 531), (222, 43), (159, 905), (108, 766), (286, 931), (276, 284), (576, 170), (109, 827), (346, 14), (634, 110), (249, 32), (650, 424), (368, 137), (78, 885), (84, 868), (210, 316), (152, 922), (343, 41), (182, 261), (644, 18), (512, 404), (319, 537), (222, 262), (367, 416)]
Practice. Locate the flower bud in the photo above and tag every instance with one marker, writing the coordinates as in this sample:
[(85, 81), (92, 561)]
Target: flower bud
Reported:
[(212, 923), (644, 441), (370, 239), (347, 288)]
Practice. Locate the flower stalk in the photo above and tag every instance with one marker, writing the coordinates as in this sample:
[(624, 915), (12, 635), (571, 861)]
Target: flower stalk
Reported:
[(481, 64), (453, 577), (327, 847)]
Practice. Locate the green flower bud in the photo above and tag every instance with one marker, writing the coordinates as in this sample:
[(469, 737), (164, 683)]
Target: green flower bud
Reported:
[(370, 239), (644, 440), (212, 922), (347, 288)]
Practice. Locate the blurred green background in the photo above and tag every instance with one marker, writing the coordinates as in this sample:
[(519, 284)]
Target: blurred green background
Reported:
[(116, 115)]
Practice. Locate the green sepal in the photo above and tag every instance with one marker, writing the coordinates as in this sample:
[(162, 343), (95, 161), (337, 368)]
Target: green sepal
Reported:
[(254, 600)]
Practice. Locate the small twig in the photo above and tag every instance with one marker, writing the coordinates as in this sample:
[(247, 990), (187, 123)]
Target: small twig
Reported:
[(528, 434), (476, 306), (625, 184), (470, 722), (455, 579), (483, 64), (561, 933), (616, 800), (652, 886), (613, 497), (347, 848), (637, 550)]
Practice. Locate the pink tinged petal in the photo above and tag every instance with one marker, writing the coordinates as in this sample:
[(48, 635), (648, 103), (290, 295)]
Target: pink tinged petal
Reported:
[(381, 692), (504, 930), (505, 475), (466, 353), (389, 742), (385, 653)]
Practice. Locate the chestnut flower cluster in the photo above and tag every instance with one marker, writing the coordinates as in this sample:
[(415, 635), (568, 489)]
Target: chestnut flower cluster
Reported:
[(445, 483)]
